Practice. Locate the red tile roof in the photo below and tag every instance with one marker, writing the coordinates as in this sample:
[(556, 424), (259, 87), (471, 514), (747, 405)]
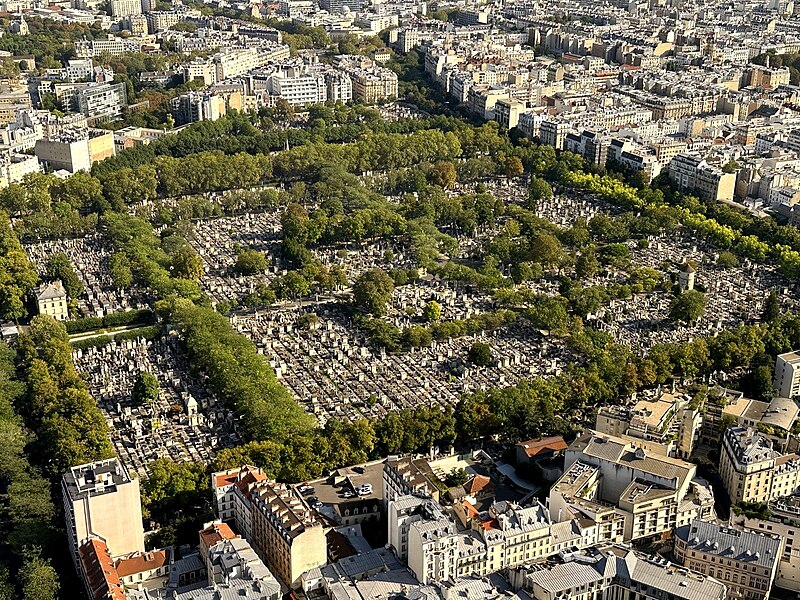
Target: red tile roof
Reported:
[(215, 533), (102, 577), (478, 484), (141, 562), (538, 446), (241, 478)]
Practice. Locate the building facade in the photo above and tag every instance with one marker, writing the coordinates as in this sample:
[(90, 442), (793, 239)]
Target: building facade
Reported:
[(101, 500), (787, 375), (752, 470), (745, 561)]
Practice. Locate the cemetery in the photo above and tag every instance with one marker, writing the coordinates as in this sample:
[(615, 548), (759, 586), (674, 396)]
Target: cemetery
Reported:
[(184, 423), (329, 364), (90, 257)]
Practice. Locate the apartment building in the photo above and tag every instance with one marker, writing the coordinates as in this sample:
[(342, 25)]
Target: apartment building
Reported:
[(339, 86), (372, 85), (590, 145), (201, 70), (782, 519), (285, 531), (404, 475), (629, 492), (236, 62), (161, 20), (94, 48), (96, 567), (693, 174), (232, 559), (758, 76), (101, 101), (13, 167), (273, 518), (137, 24), (197, 106), (102, 501), (75, 149), (787, 375), (402, 513), (554, 133), (298, 88), (232, 490), (507, 112), (126, 8), (745, 561), (672, 422), (507, 536), (752, 470), (614, 573)]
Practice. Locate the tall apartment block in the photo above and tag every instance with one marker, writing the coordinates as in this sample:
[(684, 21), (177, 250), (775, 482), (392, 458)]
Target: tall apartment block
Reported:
[(787, 375), (101, 500)]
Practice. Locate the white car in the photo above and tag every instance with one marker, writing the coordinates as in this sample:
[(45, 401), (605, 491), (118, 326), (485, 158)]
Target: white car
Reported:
[(365, 489)]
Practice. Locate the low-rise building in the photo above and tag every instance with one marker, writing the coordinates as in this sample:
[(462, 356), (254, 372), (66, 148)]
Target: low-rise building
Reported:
[(614, 572), (51, 300)]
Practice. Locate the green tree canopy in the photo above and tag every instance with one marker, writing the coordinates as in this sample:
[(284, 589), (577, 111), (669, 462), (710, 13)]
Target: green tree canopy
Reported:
[(372, 291), (688, 306)]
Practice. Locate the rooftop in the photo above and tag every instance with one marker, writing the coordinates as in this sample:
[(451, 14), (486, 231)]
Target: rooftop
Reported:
[(731, 544), (93, 479)]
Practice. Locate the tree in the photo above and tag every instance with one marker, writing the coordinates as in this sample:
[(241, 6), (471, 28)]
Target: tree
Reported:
[(7, 591), (512, 167), (250, 262), (586, 265), (538, 190), (187, 264), (443, 174), (60, 267), (480, 354), (772, 308), (145, 388), (173, 487), (432, 311), (372, 291), (39, 579), (120, 269), (545, 249), (727, 260), (688, 306), (456, 477)]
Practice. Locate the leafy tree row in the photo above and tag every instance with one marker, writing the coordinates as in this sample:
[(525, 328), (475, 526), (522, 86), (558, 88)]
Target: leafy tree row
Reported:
[(117, 319), (18, 276), (69, 427), (610, 373), (26, 501), (238, 374), (394, 339)]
